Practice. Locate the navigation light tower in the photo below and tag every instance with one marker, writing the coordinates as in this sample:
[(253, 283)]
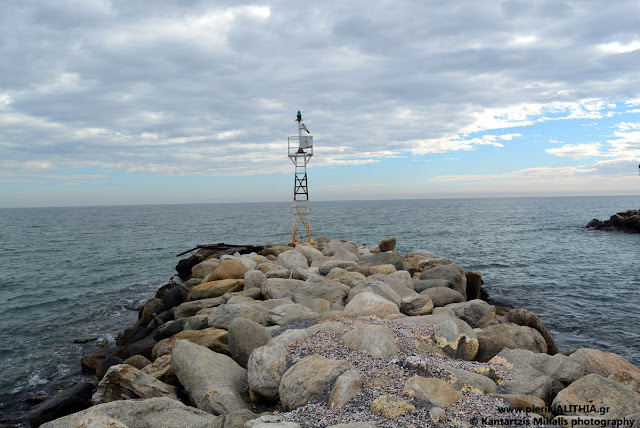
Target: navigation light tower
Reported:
[(300, 150)]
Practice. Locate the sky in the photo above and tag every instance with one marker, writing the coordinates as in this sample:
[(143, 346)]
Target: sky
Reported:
[(158, 102)]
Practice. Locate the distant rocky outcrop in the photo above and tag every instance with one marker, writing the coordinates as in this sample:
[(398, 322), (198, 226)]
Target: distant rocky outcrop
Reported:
[(331, 334), (628, 221)]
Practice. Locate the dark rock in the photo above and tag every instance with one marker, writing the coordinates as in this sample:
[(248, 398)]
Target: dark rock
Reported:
[(527, 318), (184, 266), (92, 361), (142, 347), (474, 284), (106, 363), (628, 221), (72, 400)]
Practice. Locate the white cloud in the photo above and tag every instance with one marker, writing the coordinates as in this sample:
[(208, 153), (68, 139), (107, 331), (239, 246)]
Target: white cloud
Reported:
[(619, 48), (576, 151), (523, 174)]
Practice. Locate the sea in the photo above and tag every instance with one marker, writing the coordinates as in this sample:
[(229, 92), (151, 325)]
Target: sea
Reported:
[(81, 272)]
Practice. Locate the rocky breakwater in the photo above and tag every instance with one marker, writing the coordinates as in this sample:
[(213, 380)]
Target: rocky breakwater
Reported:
[(627, 221), (334, 334)]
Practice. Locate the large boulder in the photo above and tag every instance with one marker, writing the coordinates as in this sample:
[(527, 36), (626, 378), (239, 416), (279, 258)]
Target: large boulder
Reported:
[(527, 318), (309, 253), (204, 268), (603, 363), (189, 309), (285, 314), (589, 394), (455, 337), (347, 385), (526, 380), (365, 304), (345, 277), (558, 367), (416, 306), (467, 381), (228, 269), (281, 288), (161, 370), (71, 400), (267, 364), (387, 258), (222, 316), (125, 382), (333, 292), (213, 381), (207, 290), (245, 336), (442, 296), (211, 338), (326, 267), (432, 390), (474, 284), (158, 412), (292, 259), (254, 279), (452, 273), (472, 311), (495, 338), (376, 340), (308, 378), (419, 285), (334, 246)]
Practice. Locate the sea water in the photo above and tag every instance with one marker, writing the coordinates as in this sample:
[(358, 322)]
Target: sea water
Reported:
[(81, 272)]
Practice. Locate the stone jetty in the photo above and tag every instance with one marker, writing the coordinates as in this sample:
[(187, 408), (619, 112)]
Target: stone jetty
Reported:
[(627, 221), (332, 334)]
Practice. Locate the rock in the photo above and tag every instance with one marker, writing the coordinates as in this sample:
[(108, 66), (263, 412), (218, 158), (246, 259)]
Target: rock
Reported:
[(474, 284), (142, 347), (228, 269), (254, 279), (99, 420), (331, 291), (435, 391), (528, 381), (442, 296), (323, 239), (170, 328), (159, 412), (628, 379), (222, 316), (437, 414), (426, 264), (593, 392), (308, 378), (280, 288), (106, 364), (197, 322), (388, 244), (527, 318), (489, 319), (204, 268), (603, 363), (347, 386), (452, 273), (267, 363), (372, 270), (213, 381), (391, 406), (211, 338), (161, 370), (326, 267), (495, 338), (332, 247), (235, 419), (424, 254), (416, 305), (309, 253), (388, 258), (628, 221), (376, 340), (207, 290), (124, 382), (186, 286), (245, 336), (559, 367), (319, 306), (525, 403), (419, 285), (376, 286), (344, 277), (292, 259), (188, 309), (285, 314), (466, 381), (342, 254), (137, 361), (455, 337), (472, 311), (355, 425), (71, 400), (441, 310), (371, 304)]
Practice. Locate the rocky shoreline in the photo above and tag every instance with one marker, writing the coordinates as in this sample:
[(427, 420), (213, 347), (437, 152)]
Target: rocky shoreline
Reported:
[(335, 334), (627, 221)]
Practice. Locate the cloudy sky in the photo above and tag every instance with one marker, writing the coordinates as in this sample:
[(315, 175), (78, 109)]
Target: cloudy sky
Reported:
[(121, 102)]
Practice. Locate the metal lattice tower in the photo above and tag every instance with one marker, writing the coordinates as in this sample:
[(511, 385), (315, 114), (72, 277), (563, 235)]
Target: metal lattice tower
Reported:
[(300, 150)]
